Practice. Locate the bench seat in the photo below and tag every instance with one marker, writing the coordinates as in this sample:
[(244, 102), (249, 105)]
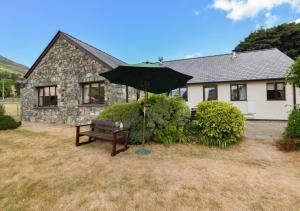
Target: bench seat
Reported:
[(102, 136)]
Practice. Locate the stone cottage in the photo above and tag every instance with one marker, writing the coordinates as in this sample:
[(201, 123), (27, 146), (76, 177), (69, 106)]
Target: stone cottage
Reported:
[(64, 86)]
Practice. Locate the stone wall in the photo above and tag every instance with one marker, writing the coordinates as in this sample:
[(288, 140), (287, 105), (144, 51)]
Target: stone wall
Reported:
[(66, 66)]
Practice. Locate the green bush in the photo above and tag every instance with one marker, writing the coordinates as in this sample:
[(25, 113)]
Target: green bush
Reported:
[(2, 110), (191, 129), (7, 122), (162, 111), (169, 135), (293, 127), (220, 124)]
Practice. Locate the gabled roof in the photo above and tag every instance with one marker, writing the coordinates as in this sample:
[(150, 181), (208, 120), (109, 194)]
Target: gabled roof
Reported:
[(245, 66), (95, 53)]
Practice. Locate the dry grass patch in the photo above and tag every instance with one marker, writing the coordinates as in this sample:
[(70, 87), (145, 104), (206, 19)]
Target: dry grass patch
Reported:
[(41, 170)]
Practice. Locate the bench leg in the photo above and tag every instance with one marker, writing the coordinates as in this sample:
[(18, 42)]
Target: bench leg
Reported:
[(114, 146), (77, 140), (126, 142)]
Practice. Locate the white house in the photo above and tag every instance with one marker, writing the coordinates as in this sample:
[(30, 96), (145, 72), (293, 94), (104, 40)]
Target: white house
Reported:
[(253, 81)]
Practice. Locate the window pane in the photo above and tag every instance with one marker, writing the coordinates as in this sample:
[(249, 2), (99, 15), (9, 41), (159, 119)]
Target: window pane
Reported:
[(270, 86), (174, 92), (41, 97), (102, 94), (95, 93), (280, 86), (210, 93), (242, 92), (52, 91), (183, 93), (47, 96), (234, 92), (280, 95), (271, 95), (46, 91), (86, 93)]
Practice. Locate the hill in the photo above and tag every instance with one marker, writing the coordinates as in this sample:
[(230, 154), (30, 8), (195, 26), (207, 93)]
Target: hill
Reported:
[(285, 37), (12, 67)]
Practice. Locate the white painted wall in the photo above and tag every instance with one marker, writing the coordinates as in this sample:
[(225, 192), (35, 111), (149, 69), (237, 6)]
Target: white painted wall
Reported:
[(256, 106), (298, 96)]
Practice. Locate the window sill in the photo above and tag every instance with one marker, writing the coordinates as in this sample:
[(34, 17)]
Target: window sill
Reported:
[(93, 105), (239, 100), (277, 100), (45, 107)]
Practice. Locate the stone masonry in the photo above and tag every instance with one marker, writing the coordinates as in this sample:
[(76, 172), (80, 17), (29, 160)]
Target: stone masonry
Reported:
[(66, 66)]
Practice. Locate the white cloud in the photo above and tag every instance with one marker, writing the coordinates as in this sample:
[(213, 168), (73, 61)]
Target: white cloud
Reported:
[(271, 20), (189, 56), (297, 20), (196, 12), (241, 9)]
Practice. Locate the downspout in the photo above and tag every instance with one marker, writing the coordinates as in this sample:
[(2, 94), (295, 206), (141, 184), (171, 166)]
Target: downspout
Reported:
[(294, 96)]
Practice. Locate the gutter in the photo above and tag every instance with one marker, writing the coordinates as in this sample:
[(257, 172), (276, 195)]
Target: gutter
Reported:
[(294, 96)]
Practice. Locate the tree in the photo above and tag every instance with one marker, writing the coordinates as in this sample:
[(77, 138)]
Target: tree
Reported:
[(285, 37), (293, 74), (8, 83)]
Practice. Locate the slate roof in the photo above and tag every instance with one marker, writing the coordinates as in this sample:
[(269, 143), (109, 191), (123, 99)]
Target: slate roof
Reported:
[(245, 66)]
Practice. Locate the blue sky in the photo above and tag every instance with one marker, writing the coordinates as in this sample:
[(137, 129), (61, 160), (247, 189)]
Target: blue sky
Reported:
[(138, 30)]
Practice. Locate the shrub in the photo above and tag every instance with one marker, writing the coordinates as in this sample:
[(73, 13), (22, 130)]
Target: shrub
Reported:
[(220, 124), (169, 135), (7, 122), (293, 127), (191, 129), (2, 110), (191, 132), (162, 111)]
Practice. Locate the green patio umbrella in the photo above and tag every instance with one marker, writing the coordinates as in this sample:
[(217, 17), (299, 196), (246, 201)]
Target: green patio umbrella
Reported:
[(149, 77)]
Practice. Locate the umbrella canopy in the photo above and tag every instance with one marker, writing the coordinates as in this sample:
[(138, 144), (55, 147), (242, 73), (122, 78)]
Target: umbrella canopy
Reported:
[(151, 77)]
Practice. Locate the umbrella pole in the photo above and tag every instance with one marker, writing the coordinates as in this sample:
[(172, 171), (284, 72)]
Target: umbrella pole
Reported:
[(144, 125), (143, 150)]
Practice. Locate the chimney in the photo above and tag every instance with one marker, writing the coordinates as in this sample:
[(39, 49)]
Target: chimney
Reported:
[(233, 54), (161, 60)]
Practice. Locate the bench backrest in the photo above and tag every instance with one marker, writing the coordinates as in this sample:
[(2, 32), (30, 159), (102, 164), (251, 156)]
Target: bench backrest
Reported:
[(108, 125)]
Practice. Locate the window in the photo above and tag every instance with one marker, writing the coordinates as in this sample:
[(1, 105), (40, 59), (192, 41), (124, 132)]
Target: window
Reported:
[(210, 92), (93, 93), (276, 91), (238, 92), (47, 96), (182, 92)]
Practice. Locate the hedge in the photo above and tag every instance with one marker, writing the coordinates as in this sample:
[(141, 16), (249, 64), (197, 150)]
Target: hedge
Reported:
[(7, 122)]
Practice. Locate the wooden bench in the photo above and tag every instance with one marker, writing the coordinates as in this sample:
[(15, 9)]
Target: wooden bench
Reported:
[(106, 131), (193, 114)]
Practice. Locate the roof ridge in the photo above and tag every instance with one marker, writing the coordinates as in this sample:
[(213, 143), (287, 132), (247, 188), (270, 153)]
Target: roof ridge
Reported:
[(224, 54), (265, 49), (91, 46)]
